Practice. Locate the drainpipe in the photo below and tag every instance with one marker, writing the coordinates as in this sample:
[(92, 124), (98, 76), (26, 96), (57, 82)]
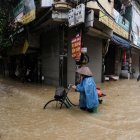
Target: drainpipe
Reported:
[(103, 70)]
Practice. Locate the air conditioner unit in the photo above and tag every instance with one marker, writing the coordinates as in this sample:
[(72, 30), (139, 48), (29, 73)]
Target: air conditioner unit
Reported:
[(71, 17), (89, 18), (80, 13)]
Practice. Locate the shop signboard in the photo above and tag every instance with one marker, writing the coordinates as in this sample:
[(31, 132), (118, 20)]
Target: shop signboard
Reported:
[(113, 25), (124, 23), (136, 40), (24, 12), (19, 8), (106, 20), (76, 47)]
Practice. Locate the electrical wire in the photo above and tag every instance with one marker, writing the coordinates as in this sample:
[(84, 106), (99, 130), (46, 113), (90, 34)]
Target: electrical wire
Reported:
[(100, 5), (104, 9)]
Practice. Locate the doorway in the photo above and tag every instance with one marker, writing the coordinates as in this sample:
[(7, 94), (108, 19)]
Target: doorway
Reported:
[(110, 61)]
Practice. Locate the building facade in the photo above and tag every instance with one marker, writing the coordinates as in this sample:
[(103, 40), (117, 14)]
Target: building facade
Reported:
[(135, 35), (42, 42)]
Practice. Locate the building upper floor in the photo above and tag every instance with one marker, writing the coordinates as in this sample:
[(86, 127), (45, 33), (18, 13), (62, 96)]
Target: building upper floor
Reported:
[(122, 16)]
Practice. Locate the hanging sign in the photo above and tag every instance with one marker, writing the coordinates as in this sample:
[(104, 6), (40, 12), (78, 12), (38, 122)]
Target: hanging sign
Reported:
[(116, 27), (76, 47), (24, 12)]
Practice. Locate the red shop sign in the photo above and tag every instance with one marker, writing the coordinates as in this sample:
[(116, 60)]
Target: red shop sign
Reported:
[(76, 47)]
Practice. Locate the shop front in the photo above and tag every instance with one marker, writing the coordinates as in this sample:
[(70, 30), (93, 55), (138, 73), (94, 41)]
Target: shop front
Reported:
[(117, 58)]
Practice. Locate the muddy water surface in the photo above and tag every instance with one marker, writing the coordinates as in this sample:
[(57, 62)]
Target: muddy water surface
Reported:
[(22, 115)]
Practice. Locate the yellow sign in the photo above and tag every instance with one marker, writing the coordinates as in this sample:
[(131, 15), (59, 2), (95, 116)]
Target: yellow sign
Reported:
[(25, 11), (30, 16), (113, 25), (22, 49), (25, 47)]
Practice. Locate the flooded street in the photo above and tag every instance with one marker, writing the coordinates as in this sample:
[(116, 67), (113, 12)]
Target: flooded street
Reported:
[(22, 116)]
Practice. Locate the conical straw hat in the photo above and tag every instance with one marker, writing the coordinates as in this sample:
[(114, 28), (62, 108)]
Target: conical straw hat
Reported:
[(84, 71)]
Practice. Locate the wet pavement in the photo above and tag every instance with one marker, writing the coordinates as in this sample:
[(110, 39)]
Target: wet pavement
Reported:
[(22, 116)]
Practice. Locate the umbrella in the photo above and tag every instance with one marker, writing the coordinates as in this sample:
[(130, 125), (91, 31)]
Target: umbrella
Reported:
[(84, 71)]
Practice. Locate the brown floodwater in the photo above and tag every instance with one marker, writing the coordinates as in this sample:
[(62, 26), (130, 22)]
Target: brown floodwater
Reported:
[(22, 116)]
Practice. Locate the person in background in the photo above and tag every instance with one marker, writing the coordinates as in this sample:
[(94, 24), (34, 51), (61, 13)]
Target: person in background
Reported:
[(87, 88), (138, 78)]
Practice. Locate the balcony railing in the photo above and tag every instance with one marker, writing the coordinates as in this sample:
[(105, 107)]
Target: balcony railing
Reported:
[(124, 23)]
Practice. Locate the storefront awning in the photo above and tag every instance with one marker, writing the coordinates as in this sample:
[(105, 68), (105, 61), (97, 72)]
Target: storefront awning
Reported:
[(120, 41)]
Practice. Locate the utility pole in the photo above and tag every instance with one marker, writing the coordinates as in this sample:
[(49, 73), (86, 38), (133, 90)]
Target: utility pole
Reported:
[(80, 19), (63, 49)]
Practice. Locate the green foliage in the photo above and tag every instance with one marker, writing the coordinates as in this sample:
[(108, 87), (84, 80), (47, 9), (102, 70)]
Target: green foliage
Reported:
[(5, 28)]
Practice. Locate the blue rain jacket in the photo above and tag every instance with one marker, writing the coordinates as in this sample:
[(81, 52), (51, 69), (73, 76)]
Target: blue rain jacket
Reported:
[(88, 93)]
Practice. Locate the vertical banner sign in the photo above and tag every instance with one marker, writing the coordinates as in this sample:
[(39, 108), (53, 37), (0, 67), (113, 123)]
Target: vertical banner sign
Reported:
[(76, 47)]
